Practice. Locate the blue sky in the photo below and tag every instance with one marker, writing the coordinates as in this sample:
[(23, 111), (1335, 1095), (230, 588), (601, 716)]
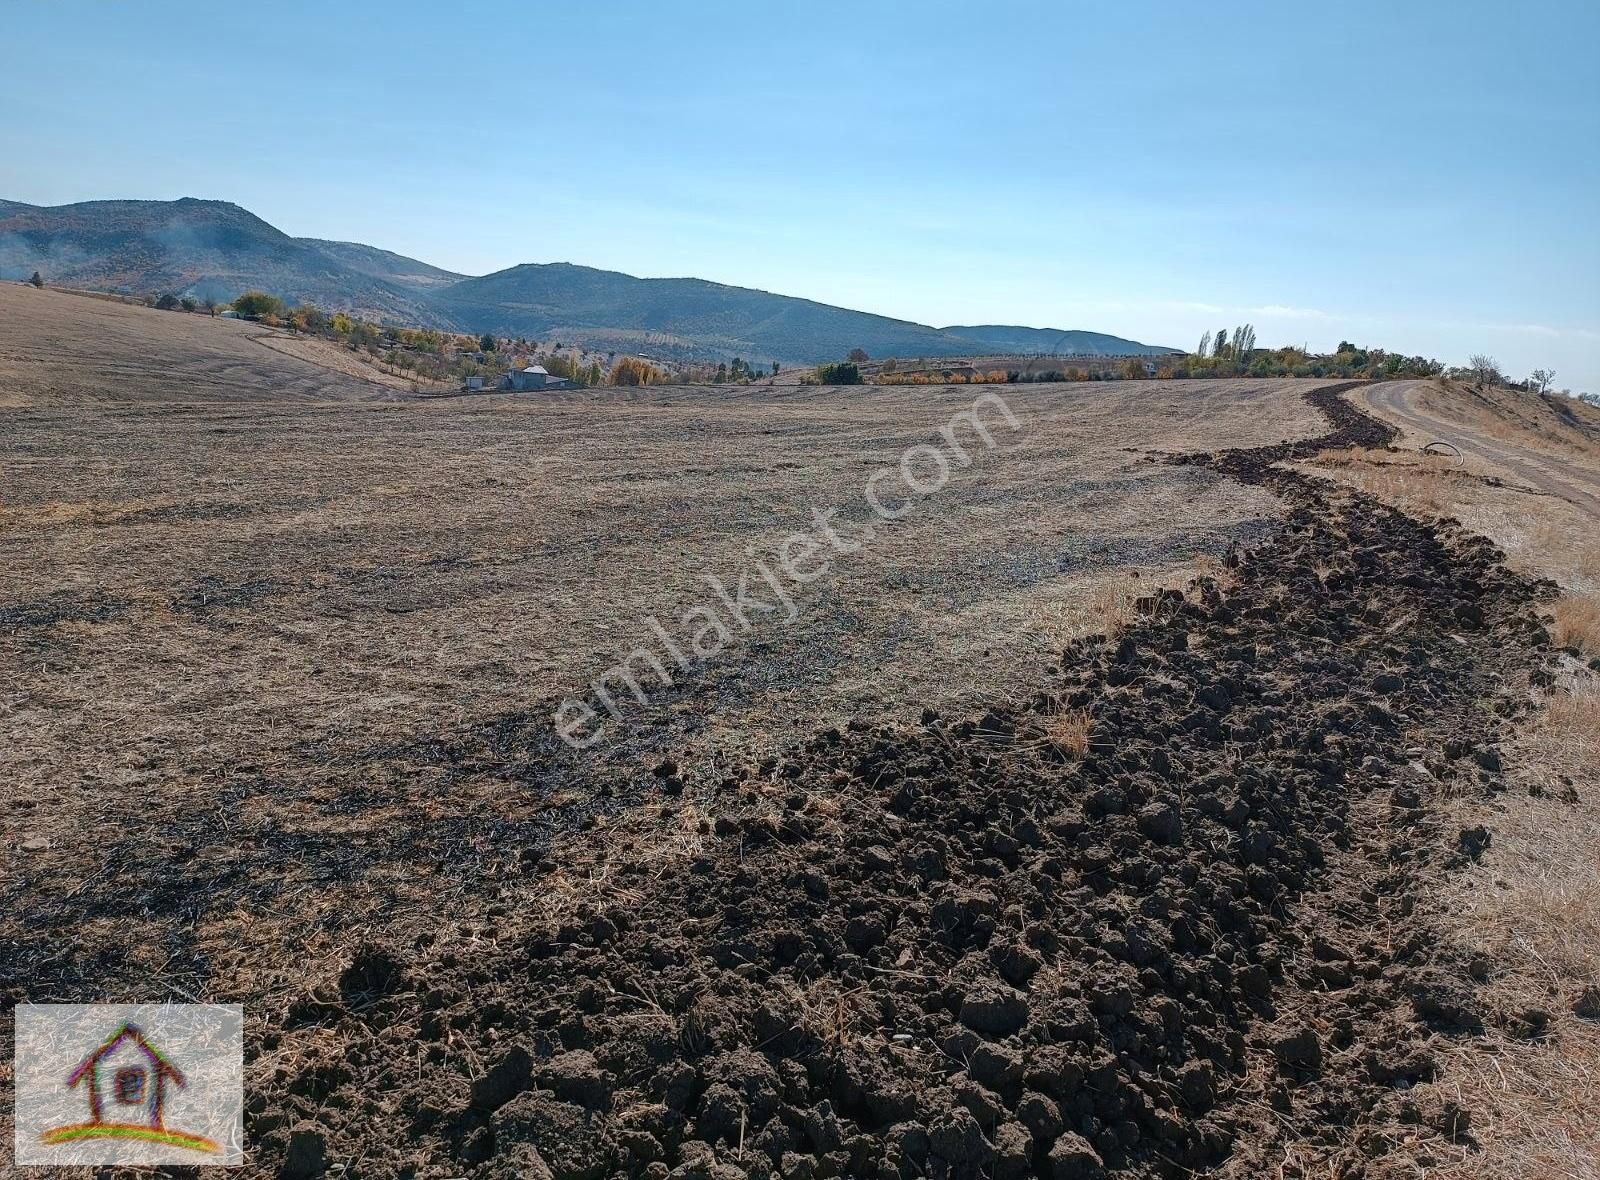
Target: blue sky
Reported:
[(1415, 174)]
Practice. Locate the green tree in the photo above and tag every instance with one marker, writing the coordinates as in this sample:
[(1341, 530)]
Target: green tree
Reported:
[(1220, 347), (486, 343), (255, 304), (167, 301), (37, 280), (843, 373), (188, 303)]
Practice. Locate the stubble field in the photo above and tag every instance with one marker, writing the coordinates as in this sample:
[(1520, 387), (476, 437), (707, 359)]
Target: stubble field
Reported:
[(1070, 825), (237, 591)]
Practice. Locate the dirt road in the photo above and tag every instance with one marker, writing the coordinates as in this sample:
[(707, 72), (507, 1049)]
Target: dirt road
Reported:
[(1398, 402)]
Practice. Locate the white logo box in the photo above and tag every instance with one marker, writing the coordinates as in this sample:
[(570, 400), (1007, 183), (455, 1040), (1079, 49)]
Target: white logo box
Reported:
[(136, 1084)]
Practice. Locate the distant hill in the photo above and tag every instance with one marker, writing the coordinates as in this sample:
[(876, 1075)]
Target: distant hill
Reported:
[(574, 301), (209, 249), (213, 249), (541, 299), (1003, 338), (383, 264)]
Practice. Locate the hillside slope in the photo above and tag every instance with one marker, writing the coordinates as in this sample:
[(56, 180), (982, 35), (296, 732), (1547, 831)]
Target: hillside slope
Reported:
[(385, 264), (61, 351), (209, 249)]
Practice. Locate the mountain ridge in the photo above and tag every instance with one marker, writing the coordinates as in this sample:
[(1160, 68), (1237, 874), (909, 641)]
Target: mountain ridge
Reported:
[(216, 249)]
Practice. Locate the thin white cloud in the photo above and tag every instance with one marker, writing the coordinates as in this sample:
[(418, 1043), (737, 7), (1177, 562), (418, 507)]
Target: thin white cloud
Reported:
[(1279, 312), (1544, 330), (1529, 329)]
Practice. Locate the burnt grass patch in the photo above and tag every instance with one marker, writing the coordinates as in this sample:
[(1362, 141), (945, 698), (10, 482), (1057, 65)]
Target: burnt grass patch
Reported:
[(211, 594), (64, 606), (1199, 943)]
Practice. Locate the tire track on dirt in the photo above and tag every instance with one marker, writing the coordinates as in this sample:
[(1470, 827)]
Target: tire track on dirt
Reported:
[(1548, 473)]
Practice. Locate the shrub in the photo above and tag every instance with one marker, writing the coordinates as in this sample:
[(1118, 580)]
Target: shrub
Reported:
[(187, 303), (166, 302), (843, 373), (858, 356), (37, 280), (309, 318), (631, 370), (486, 343)]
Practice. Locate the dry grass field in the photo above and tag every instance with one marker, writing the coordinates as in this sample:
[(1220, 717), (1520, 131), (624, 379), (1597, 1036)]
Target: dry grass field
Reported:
[(239, 589), (279, 652)]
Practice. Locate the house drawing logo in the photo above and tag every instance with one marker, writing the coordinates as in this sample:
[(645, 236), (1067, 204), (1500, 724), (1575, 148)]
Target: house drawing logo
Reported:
[(125, 1083)]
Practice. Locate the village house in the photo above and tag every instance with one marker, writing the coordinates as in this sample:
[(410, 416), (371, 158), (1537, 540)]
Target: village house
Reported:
[(533, 377)]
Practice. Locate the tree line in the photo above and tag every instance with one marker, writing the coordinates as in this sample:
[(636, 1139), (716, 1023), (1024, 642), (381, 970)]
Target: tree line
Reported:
[(446, 356), (430, 354)]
